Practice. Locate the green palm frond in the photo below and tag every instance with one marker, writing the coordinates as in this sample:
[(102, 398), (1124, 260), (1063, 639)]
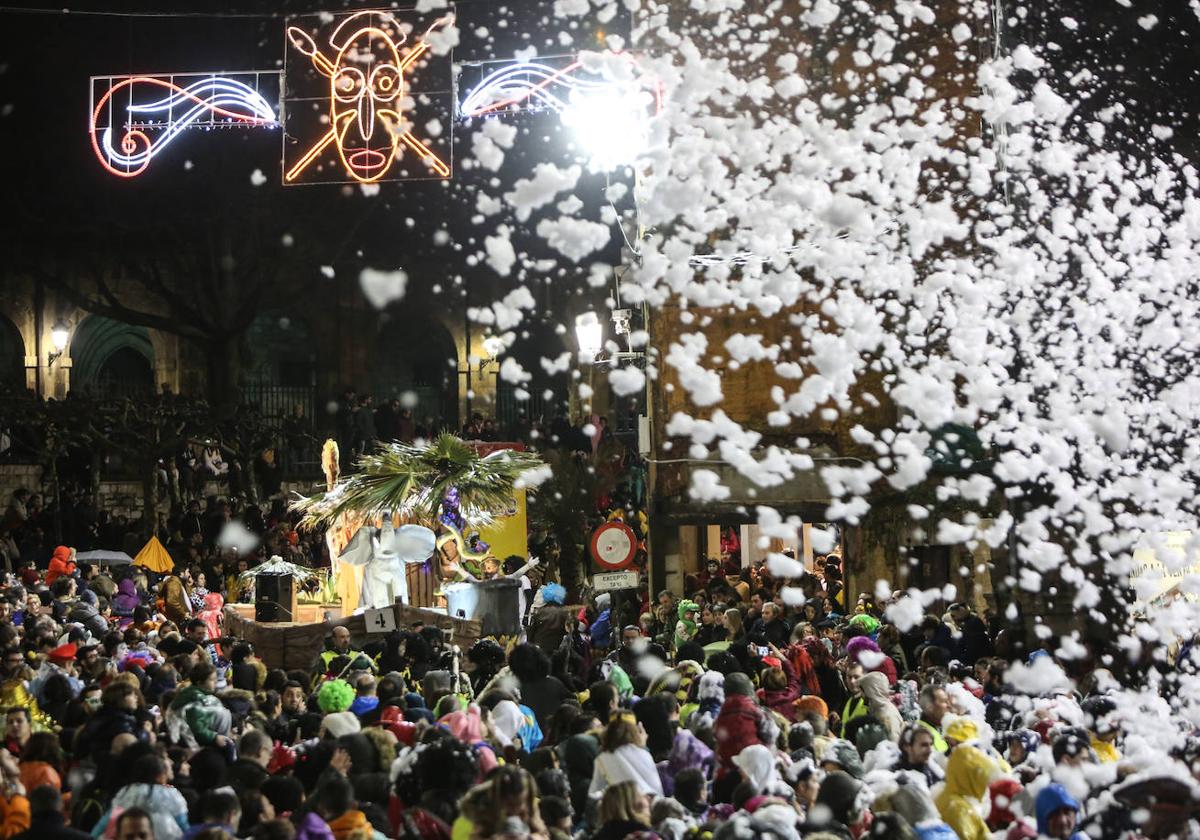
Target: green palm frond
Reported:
[(410, 480)]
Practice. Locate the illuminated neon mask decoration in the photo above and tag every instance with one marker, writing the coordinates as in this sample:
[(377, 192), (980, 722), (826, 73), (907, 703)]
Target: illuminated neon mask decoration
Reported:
[(134, 118), (366, 96)]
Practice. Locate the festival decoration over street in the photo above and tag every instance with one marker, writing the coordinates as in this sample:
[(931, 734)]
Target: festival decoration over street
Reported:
[(135, 118), (366, 93)]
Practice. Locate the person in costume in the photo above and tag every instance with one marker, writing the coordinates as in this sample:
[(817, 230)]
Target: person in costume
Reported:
[(685, 628)]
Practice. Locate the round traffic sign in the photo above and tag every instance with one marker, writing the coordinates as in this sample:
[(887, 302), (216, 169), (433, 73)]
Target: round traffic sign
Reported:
[(613, 546)]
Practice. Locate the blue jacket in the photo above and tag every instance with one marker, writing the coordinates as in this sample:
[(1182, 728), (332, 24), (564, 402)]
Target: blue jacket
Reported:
[(601, 631)]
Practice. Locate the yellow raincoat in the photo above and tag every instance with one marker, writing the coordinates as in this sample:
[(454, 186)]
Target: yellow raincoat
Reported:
[(968, 774)]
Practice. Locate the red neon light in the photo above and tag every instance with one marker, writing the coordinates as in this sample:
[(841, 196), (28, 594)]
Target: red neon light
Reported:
[(132, 137)]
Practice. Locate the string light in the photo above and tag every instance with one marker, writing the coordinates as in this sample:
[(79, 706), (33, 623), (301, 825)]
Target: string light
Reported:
[(210, 101), (532, 85)]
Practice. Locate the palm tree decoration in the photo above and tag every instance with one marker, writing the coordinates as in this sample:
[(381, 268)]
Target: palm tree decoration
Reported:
[(423, 484)]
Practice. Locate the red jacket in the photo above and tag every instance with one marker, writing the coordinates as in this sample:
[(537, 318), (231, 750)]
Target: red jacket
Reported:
[(783, 700), (738, 725), (61, 565)]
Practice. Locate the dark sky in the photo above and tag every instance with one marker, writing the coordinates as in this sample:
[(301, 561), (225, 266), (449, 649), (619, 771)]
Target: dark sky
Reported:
[(52, 179), (1152, 74)]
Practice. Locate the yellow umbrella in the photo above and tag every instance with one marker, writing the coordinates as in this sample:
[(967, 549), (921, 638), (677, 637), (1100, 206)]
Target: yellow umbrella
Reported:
[(154, 557)]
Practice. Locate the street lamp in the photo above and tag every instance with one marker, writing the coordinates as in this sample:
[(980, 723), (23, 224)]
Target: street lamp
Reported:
[(59, 334), (493, 346), (590, 334)]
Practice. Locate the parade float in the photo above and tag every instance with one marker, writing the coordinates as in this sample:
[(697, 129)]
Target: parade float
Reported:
[(418, 533)]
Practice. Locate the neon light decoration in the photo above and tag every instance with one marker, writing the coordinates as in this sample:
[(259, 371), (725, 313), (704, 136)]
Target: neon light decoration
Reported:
[(551, 83), (364, 119), (134, 118)]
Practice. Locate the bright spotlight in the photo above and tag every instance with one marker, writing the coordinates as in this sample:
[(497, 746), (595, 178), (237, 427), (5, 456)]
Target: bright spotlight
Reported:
[(609, 126)]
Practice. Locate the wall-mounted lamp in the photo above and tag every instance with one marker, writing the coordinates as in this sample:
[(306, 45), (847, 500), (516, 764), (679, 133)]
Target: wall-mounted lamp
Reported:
[(590, 334), (493, 346), (60, 333)]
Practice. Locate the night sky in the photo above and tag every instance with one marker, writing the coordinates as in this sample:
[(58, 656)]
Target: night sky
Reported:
[(55, 187)]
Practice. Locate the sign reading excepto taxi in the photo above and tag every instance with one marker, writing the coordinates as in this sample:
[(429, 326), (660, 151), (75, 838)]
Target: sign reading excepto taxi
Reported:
[(609, 581)]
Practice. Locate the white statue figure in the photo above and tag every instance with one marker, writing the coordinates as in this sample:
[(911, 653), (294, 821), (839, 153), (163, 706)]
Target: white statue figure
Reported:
[(385, 553)]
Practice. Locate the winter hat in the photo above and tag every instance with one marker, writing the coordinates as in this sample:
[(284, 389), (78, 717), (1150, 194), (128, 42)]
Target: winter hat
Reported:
[(88, 597), (341, 723), (839, 794), (912, 801), (738, 684), (335, 696), (603, 600), (554, 593), (1029, 739), (757, 765), (845, 756), (1002, 792)]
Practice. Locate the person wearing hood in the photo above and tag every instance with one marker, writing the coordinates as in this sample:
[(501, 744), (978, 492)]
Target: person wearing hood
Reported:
[(912, 802), (839, 810), (548, 620), (968, 774), (874, 688), (780, 685), (126, 600), (1057, 814), (601, 629), (740, 723), (62, 564), (87, 612), (623, 757), (468, 727), (757, 766), (685, 628), (196, 716)]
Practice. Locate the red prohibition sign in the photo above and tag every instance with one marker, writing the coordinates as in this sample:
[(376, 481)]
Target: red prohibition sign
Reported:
[(613, 546)]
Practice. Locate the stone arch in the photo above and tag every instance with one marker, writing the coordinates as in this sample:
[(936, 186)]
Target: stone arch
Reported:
[(12, 356), (112, 359), (416, 356)]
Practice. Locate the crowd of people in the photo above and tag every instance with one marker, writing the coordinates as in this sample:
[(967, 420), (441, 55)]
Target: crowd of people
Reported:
[(729, 713), (213, 540)]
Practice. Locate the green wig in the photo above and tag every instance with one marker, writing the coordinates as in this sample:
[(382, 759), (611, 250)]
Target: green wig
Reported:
[(335, 696)]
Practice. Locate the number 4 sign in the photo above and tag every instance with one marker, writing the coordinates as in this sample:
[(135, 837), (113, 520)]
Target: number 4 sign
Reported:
[(380, 621)]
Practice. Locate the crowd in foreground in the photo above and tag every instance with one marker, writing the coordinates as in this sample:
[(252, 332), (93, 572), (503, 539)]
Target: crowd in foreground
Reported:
[(729, 714)]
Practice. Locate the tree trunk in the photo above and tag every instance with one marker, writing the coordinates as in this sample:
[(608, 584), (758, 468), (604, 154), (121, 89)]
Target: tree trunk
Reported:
[(224, 359)]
